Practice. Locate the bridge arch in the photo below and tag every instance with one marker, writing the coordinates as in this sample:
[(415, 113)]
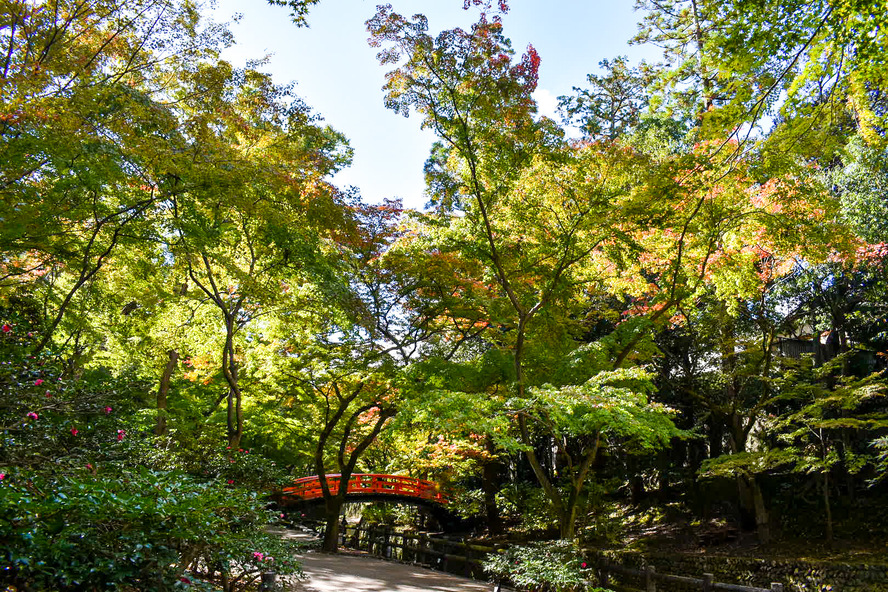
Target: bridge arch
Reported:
[(367, 487)]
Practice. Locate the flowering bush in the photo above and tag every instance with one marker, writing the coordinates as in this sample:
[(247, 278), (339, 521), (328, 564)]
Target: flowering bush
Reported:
[(90, 499), (142, 530), (550, 565)]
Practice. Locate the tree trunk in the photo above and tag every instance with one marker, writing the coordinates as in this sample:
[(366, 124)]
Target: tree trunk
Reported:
[(235, 419), (567, 524), (746, 502), (332, 513), (763, 527), (161, 427), (716, 435), (636, 484), (663, 470), (490, 482), (827, 508)]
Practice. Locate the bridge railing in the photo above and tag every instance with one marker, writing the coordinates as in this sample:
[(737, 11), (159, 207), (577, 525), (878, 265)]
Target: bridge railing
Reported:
[(309, 488)]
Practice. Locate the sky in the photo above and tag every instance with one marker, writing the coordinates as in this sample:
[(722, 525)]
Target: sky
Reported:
[(337, 74)]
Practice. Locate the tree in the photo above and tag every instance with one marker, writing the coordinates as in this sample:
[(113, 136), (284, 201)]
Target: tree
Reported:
[(730, 63), (612, 105), (530, 210), (87, 136)]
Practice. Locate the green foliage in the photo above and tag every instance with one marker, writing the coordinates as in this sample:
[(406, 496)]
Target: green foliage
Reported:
[(211, 461), (612, 105), (553, 565), (81, 510), (862, 184), (881, 447), (137, 529), (612, 404), (746, 463)]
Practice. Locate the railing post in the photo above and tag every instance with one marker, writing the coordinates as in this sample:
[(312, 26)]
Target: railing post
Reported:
[(468, 567), (386, 547), (356, 537), (422, 548), (776, 587), (707, 582), (650, 584)]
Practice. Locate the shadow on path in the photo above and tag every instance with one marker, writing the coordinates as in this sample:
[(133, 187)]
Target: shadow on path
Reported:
[(355, 573)]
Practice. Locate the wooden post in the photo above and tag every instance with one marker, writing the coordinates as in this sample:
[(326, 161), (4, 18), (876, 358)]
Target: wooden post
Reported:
[(776, 587), (707, 582), (650, 584), (386, 547), (468, 568), (422, 548)]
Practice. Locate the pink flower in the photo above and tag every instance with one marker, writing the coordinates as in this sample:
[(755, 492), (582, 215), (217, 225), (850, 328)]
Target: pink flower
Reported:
[(6, 328), (107, 410), (246, 452), (184, 579), (269, 558), (583, 565), (30, 334), (74, 431), (48, 395), (120, 435), (231, 481), (258, 555), (2, 476), (32, 415), (89, 466), (38, 382), (282, 515)]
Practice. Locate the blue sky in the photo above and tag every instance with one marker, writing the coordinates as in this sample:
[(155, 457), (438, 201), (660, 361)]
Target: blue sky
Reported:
[(337, 74)]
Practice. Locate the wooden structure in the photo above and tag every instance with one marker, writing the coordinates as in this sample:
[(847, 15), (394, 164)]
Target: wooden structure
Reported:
[(364, 486)]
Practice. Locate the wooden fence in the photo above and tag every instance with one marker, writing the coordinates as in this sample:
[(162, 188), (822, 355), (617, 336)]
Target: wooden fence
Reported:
[(463, 558), (650, 577), (454, 556)]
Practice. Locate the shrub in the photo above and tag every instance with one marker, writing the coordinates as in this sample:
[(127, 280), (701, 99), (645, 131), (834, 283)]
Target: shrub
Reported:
[(550, 565), (143, 530)]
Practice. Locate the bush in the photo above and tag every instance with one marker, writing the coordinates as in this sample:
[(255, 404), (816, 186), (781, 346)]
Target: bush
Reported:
[(146, 530), (550, 565)]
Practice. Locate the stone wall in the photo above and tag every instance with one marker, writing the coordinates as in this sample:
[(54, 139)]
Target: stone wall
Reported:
[(796, 576)]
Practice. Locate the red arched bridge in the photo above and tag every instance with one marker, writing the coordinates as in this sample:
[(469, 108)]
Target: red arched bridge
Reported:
[(367, 486)]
